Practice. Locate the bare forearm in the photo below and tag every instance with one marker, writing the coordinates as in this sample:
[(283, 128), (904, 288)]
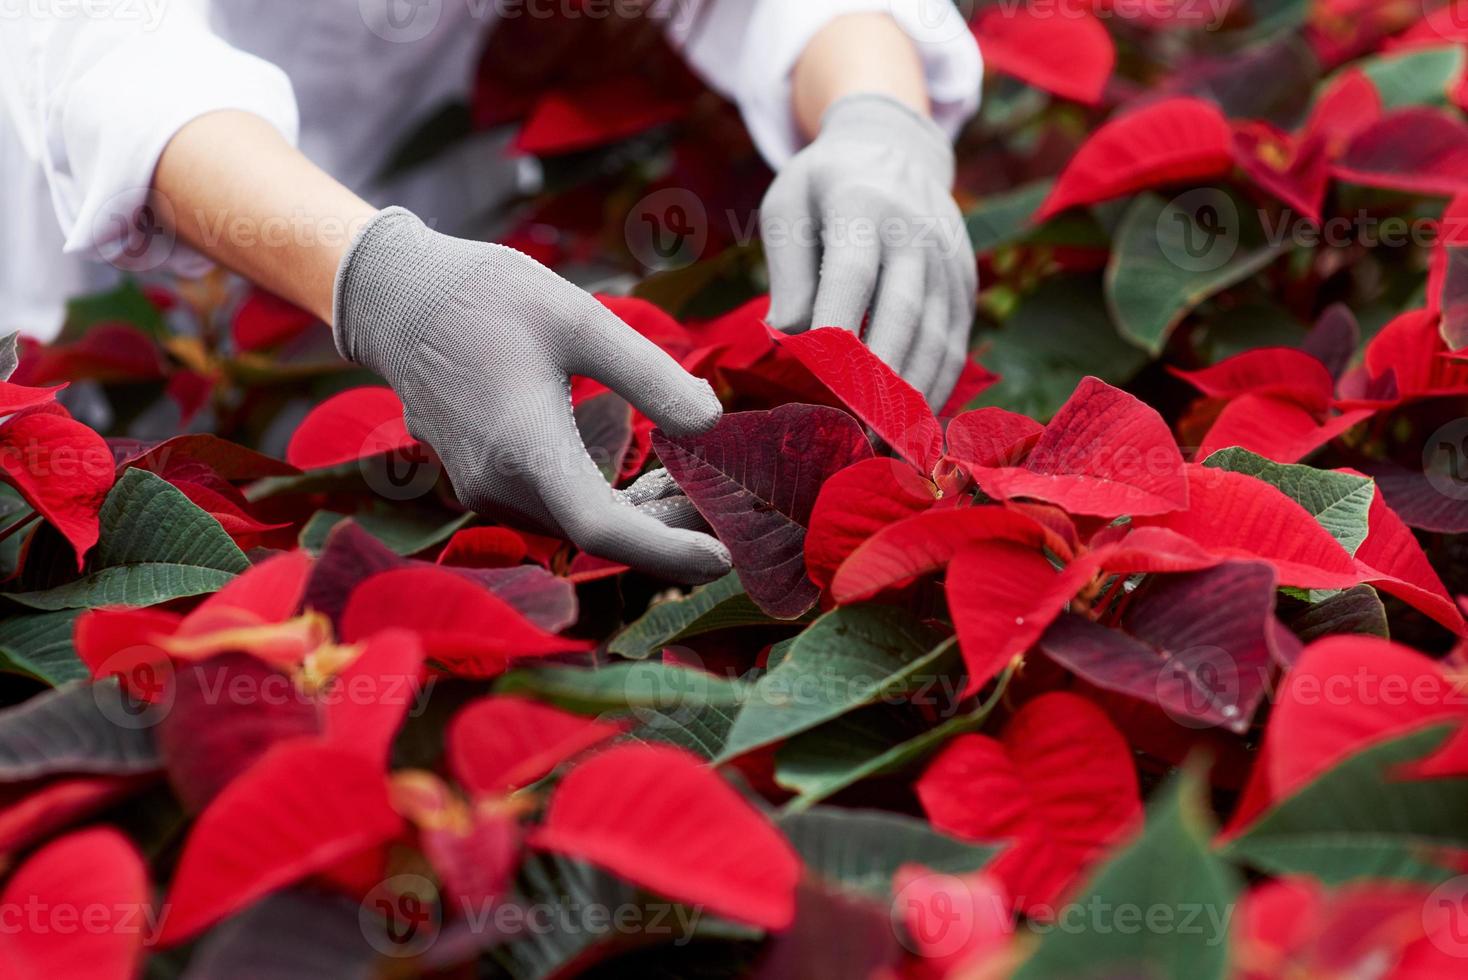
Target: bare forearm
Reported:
[(857, 53), (239, 193)]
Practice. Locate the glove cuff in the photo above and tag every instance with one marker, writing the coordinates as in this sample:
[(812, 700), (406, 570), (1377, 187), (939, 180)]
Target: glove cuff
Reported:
[(883, 119), (394, 276)]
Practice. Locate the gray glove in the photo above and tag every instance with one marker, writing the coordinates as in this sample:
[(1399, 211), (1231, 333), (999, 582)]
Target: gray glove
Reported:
[(864, 219), (479, 340)]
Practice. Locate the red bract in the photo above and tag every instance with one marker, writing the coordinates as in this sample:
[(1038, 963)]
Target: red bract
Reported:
[(1294, 927), (1407, 361), (1105, 454), (1071, 55), (500, 744), (1391, 559), (894, 409), (1343, 695), (484, 547), (926, 542), (657, 816), (353, 425), (1233, 515), (1167, 142), (265, 320), (90, 891), (464, 627), (62, 468), (301, 809), (583, 116), (1059, 785), (958, 923), (1277, 404), (855, 504)]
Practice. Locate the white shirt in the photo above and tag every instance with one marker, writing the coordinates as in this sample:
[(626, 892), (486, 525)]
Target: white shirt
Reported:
[(92, 90)]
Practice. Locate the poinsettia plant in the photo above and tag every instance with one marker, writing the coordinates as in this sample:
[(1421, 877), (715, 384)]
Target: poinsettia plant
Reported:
[(1143, 655)]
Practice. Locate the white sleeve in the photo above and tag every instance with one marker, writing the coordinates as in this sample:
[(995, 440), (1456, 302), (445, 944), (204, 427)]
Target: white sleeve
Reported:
[(96, 90), (747, 50)]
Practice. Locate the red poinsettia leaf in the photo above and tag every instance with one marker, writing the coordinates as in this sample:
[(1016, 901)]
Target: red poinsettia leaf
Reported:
[(1281, 371), (98, 880), (989, 437), (272, 590), (1410, 350), (755, 478), (1348, 107), (1105, 453), (894, 409), (1392, 560), (1200, 645), (353, 425), (1061, 783), (500, 744), (62, 468), (1275, 427), (855, 504), (108, 353), (484, 547), (1167, 142), (34, 811), (975, 910), (1417, 150), (1071, 56), (364, 705), (1233, 515), (476, 863), (1310, 731), (583, 116), (1002, 596), (265, 320), (15, 398), (463, 626), (122, 642), (300, 809), (916, 546), (227, 712), (1129, 550), (229, 512), (659, 817), (1297, 171)]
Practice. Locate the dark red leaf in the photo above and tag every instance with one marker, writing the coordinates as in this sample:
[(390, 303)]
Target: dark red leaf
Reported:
[(1417, 150), (755, 478)]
